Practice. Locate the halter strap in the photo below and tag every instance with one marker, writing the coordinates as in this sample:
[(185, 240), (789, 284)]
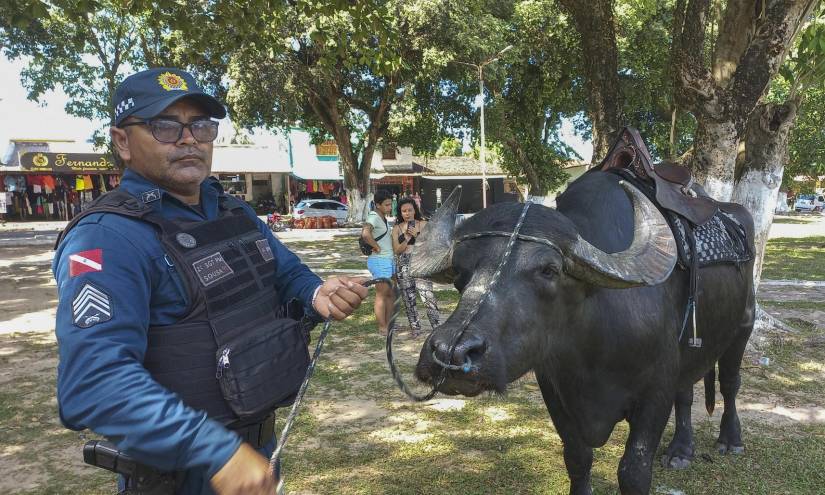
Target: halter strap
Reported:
[(521, 237)]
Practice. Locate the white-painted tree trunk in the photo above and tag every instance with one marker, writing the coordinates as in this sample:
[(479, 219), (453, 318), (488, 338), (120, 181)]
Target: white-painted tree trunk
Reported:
[(548, 201), (359, 207), (766, 149), (757, 191)]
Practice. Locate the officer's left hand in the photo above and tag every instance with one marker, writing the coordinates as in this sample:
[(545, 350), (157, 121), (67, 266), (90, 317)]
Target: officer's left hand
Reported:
[(340, 296)]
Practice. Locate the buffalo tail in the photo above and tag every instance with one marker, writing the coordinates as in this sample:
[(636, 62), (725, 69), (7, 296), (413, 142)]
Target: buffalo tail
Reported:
[(710, 390)]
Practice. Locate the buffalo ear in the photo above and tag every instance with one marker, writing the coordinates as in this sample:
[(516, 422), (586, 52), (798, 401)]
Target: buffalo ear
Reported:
[(432, 253)]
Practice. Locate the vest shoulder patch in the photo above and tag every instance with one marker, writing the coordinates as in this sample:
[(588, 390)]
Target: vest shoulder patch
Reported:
[(264, 249), (90, 306)]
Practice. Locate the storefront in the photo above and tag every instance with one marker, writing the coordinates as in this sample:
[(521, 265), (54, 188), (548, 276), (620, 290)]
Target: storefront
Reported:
[(258, 175), (46, 180), (316, 171)]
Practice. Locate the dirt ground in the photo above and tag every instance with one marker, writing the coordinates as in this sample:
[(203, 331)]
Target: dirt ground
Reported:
[(28, 366)]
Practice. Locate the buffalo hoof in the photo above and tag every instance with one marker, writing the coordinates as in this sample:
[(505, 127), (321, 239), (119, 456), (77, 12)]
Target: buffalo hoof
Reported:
[(724, 448), (675, 462)]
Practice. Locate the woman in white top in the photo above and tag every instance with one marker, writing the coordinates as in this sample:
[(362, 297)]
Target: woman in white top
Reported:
[(407, 228)]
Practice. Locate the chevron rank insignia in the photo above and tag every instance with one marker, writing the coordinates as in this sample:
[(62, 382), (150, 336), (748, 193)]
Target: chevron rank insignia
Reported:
[(91, 306)]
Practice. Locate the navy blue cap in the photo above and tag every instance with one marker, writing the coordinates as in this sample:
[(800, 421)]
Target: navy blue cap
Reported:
[(149, 92)]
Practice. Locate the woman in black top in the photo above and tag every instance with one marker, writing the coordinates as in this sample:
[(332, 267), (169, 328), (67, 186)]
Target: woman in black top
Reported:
[(407, 227)]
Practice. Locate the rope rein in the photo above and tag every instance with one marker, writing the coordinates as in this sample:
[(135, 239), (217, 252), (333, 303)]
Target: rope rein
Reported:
[(293, 413)]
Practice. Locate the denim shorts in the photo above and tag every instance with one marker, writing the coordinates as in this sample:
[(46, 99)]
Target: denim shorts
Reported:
[(381, 266)]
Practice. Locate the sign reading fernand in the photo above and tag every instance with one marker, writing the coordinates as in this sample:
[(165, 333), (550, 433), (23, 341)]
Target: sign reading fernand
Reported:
[(68, 163)]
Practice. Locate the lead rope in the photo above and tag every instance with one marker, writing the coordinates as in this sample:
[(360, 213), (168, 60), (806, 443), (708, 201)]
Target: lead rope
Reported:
[(467, 366), (293, 413)]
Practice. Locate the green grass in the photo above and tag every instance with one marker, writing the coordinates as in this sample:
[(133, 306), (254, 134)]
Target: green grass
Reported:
[(792, 220), (796, 367), (795, 258), (793, 304)]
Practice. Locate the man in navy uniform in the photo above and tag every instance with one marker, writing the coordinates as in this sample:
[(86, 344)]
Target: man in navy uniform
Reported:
[(174, 343)]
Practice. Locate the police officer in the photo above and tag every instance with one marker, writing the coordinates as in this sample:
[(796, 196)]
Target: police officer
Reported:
[(173, 338)]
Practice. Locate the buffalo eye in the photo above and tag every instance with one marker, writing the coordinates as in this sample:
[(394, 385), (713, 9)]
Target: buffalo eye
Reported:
[(548, 271)]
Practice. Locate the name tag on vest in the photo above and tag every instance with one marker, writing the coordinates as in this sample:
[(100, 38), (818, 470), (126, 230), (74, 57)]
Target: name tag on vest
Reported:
[(212, 269)]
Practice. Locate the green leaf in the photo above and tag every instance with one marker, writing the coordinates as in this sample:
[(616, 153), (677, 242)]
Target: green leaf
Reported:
[(20, 21)]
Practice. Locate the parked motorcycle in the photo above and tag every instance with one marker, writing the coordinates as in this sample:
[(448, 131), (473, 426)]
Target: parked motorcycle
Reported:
[(276, 222)]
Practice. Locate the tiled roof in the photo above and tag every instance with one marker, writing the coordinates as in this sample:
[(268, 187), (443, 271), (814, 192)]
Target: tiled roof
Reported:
[(459, 165), (406, 168)]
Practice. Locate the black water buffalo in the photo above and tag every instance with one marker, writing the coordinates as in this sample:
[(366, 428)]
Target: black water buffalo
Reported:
[(590, 301)]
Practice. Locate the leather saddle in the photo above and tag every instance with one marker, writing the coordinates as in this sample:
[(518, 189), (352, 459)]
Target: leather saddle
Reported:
[(675, 188)]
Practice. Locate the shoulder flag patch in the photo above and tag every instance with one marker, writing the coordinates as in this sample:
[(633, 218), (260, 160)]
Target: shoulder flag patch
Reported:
[(86, 261), (91, 306)]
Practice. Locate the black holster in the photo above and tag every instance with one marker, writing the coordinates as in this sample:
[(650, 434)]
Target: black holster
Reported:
[(140, 479)]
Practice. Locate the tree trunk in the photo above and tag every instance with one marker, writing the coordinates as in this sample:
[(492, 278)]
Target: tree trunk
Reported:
[(745, 63), (736, 31), (356, 181), (595, 25), (359, 206), (526, 164), (715, 145), (766, 151)]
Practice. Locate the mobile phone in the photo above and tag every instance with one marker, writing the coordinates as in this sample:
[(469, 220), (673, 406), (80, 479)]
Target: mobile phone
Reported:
[(412, 224)]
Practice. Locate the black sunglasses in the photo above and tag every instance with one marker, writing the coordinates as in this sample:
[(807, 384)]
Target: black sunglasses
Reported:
[(170, 131)]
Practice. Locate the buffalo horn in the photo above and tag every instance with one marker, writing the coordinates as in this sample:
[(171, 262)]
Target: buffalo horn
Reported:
[(648, 261), (432, 252)]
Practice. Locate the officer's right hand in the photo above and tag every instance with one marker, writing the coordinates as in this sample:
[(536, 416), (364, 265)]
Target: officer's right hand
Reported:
[(246, 472), (376, 250)]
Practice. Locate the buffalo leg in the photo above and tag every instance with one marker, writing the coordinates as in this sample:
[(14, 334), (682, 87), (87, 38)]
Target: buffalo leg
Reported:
[(647, 422), (578, 456), (680, 451), (730, 431)]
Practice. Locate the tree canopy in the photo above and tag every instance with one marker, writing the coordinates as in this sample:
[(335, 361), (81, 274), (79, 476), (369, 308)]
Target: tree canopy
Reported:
[(392, 72)]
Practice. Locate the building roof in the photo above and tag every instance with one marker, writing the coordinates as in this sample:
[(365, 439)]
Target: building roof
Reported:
[(406, 169), (459, 166)]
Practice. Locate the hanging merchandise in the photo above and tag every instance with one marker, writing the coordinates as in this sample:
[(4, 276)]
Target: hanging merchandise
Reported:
[(49, 183), (80, 185), (10, 182)]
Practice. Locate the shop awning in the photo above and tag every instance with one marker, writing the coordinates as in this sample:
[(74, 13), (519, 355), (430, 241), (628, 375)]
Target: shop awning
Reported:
[(461, 177), (317, 173)]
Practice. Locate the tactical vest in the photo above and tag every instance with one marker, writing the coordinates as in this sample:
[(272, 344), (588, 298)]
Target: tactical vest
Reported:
[(234, 355)]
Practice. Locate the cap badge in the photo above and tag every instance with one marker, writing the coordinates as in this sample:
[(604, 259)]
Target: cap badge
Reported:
[(171, 82)]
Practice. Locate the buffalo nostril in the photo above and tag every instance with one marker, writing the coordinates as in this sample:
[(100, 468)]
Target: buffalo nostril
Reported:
[(470, 349)]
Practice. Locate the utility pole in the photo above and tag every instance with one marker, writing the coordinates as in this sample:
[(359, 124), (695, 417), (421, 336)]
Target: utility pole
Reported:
[(483, 151)]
